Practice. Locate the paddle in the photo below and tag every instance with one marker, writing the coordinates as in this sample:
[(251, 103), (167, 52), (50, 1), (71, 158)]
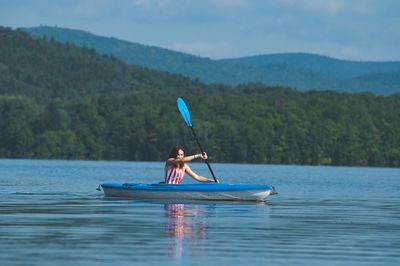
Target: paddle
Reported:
[(183, 109)]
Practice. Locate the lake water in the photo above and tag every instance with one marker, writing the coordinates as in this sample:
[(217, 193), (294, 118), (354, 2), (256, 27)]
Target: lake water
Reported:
[(51, 214)]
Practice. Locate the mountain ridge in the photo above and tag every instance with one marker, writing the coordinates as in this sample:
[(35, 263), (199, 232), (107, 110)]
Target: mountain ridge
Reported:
[(45, 70), (301, 71), (319, 62)]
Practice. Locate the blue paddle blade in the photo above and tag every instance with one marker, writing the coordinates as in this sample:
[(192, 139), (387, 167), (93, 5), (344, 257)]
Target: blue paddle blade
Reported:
[(183, 109)]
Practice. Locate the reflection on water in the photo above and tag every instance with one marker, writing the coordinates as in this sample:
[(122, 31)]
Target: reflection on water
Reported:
[(186, 225)]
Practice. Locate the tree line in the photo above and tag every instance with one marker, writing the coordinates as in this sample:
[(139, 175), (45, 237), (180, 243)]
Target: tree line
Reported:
[(251, 124)]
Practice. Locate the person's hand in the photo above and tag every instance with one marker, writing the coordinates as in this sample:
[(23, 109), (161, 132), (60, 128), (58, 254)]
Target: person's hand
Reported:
[(204, 156)]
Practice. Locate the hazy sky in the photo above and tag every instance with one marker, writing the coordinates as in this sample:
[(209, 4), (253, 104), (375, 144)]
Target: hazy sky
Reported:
[(347, 29)]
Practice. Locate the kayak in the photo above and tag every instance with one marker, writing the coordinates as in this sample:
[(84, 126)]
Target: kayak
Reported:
[(197, 191)]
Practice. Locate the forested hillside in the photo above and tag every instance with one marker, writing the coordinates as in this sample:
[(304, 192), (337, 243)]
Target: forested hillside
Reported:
[(46, 70), (131, 113), (300, 71)]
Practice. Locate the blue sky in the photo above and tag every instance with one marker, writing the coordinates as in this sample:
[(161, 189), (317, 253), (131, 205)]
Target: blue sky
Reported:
[(365, 30)]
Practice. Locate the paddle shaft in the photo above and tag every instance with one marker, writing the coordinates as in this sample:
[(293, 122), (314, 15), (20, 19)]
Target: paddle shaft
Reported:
[(202, 151)]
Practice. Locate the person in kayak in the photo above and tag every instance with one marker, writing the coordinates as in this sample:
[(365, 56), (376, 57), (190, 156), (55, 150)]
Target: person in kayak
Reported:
[(176, 166)]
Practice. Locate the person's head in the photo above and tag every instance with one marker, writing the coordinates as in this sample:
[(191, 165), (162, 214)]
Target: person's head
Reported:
[(177, 152)]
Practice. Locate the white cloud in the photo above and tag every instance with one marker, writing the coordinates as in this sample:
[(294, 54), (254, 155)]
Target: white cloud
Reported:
[(90, 8), (351, 52), (229, 3), (327, 7), (148, 4)]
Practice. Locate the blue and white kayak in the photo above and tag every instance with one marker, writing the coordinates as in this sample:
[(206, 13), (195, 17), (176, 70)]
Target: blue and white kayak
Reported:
[(197, 191)]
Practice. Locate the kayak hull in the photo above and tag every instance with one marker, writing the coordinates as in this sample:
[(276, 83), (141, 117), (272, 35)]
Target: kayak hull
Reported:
[(200, 191)]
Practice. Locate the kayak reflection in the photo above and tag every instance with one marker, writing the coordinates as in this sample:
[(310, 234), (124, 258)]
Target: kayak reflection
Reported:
[(186, 226)]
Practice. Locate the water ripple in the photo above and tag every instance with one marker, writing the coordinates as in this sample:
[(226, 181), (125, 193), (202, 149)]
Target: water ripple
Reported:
[(62, 225)]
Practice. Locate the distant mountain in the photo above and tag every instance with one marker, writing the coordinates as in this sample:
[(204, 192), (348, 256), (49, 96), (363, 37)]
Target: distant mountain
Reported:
[(319, 64), (297, 70), (46, 70)]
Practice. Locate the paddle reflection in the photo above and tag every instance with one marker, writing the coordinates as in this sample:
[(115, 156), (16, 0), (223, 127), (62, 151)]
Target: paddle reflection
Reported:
[(186, 226)]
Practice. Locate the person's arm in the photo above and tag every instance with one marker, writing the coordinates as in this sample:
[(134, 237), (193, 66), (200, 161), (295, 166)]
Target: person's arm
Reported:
[(196, 176), (195, 156), (189, 158), (171, 161)]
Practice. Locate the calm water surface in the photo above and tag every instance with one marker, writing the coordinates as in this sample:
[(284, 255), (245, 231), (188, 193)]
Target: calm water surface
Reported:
[(51, 214)]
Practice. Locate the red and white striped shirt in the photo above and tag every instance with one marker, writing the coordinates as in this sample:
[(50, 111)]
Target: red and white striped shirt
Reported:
[(173, 175)]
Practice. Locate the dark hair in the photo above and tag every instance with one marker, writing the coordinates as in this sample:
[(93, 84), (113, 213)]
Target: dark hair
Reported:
[(174, 153)]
